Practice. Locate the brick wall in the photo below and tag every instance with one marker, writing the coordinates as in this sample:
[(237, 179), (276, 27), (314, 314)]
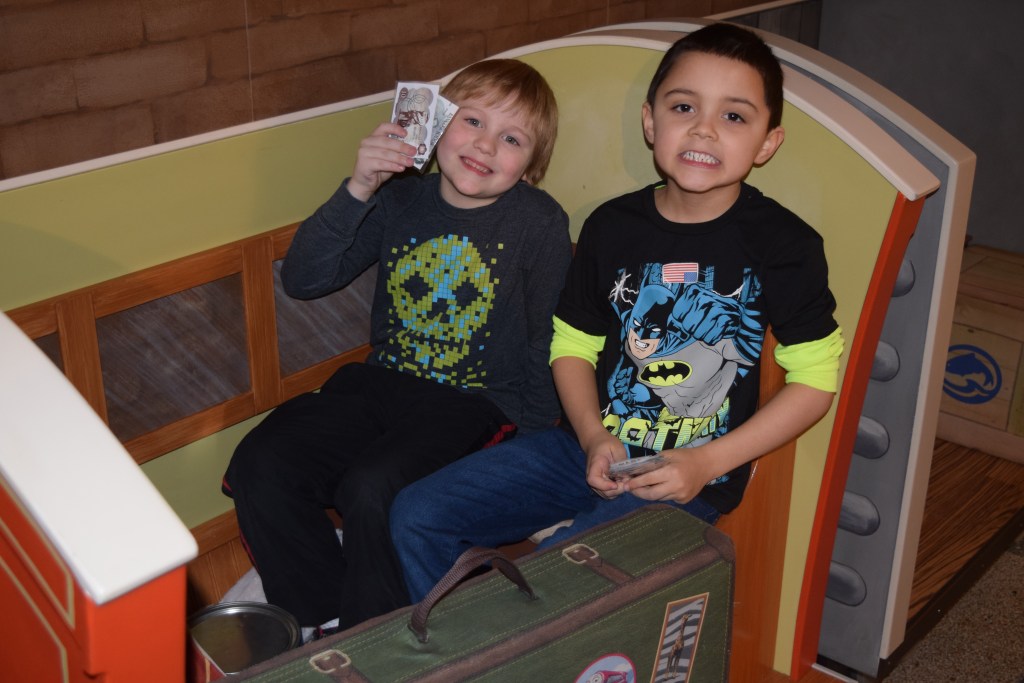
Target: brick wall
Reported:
[(81, 79)]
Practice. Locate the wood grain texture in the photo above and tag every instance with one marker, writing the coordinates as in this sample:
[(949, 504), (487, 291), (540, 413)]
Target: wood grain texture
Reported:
[(79, 348), (173, 357), (222, 560), (261, 323), (971, 497), (758, 528), (176, 352)]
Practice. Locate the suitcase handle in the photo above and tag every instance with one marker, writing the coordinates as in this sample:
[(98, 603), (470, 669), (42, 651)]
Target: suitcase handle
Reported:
[(467, 562)]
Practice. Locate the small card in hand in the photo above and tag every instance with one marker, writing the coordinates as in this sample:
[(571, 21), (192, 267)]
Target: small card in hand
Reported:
[(424, 113), (634, 467)]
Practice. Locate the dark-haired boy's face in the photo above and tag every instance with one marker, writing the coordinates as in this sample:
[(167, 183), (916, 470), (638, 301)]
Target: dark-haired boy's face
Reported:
[(709, 125)]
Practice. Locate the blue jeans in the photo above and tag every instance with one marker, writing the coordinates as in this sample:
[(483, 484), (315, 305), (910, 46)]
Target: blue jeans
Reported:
[(498, 496)]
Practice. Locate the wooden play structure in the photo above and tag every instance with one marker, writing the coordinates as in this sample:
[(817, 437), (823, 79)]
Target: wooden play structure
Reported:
[(151, 282)]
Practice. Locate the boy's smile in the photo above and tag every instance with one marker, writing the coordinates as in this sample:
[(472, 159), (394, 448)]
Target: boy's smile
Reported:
[(483, 153), (708, 126)]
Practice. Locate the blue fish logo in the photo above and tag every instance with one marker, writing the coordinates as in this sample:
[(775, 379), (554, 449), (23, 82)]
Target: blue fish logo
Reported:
[(972, 375)]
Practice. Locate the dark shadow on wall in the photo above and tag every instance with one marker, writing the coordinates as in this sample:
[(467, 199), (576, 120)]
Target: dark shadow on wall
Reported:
[(961, 65)]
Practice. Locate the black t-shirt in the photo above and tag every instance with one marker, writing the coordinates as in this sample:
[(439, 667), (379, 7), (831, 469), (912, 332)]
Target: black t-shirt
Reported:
[(684, 309)]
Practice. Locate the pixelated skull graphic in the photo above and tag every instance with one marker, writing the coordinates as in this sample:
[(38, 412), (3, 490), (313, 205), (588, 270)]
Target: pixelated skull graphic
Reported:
[(442, 292)]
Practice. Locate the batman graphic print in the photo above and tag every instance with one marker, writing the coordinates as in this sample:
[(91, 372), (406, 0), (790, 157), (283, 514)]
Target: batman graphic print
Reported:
[(683, 345), (683, 310)]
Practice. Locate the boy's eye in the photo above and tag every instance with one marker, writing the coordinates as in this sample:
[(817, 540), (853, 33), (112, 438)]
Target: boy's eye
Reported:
[(734, 117), (511, 140), (472, 121), (683, 108)]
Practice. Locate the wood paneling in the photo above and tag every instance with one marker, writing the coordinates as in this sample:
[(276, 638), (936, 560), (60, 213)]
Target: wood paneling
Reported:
[(758, 528), (222, 560), (181, 350), (972, 497)]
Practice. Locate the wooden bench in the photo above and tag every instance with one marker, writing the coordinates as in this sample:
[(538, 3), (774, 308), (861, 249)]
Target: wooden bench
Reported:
[(169, 319)]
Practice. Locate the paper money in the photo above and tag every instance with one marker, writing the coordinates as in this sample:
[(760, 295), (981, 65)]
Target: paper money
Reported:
[(424, 113)]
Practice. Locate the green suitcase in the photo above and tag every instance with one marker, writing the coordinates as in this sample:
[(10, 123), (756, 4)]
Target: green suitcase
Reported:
[(645, 598)]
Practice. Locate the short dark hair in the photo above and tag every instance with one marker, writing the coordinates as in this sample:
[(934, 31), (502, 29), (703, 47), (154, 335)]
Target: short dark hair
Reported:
[(732, 42)]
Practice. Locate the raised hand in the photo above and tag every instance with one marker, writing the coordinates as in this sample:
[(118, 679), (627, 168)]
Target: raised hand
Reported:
[(381, 154)]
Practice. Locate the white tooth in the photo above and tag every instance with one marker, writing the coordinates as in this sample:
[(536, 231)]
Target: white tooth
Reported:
[(700, 157)]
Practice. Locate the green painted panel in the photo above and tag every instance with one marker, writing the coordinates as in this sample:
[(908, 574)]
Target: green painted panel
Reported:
[(189, 478), (76, 231), (600, 152)]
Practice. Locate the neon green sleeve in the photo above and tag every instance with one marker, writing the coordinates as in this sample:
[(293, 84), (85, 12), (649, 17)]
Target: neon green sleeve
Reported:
[(568, 341), (814, 363)]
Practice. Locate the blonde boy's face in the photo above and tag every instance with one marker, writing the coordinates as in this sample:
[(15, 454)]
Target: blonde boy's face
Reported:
[(483, 153), (708, 127)]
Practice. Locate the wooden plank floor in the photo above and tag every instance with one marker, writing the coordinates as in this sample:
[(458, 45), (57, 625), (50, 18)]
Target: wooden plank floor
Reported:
[(972, 497)]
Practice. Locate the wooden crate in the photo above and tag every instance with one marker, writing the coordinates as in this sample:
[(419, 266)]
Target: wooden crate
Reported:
[(983, 393)]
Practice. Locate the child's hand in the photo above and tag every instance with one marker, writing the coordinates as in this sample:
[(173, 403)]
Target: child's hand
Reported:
[(680, 479), (602, 451), (379, 157)]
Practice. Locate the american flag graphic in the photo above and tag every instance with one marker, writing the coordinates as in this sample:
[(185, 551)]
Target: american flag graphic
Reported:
[(679, 272)]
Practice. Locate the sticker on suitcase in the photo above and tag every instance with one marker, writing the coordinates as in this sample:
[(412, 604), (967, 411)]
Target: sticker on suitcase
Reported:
[(679, 636), (614, 668)]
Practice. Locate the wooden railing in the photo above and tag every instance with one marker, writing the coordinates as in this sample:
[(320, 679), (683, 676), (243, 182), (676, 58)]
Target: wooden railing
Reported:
[(179, 351)]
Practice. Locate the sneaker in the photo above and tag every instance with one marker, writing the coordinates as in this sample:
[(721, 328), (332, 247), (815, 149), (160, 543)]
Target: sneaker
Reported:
[(322, 632), (311, 633)]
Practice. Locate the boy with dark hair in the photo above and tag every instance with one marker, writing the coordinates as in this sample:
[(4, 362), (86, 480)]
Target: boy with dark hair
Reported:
[(659, 330), (470, 263)]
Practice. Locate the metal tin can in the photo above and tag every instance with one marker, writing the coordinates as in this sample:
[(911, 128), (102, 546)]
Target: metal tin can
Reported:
[(232, 636)]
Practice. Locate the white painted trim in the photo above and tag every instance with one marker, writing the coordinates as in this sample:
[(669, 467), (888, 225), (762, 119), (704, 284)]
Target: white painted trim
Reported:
[(940, 319), (753, 9), (82, 489)]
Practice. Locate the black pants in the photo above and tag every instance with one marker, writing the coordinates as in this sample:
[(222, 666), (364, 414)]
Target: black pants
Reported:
[(353, 446)]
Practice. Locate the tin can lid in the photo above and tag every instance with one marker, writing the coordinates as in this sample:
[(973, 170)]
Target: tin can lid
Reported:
[(237, 635)]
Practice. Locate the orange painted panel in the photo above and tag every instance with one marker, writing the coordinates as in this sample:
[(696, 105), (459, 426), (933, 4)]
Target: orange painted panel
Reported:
[(902, 223), (33, 650), (52, 631), (26, 552)]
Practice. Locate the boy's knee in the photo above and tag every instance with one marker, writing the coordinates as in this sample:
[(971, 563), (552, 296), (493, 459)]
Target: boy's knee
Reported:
[(367, 490), (256, 467), (346, 376), (403, 513)]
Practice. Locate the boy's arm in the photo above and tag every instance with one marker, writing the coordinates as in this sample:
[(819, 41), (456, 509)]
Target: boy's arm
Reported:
[(544, 281), (811, 374), (573, 356), (786, 416), (325, 255)]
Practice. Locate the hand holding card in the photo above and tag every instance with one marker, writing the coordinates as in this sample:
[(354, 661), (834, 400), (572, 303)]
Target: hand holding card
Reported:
[(633, 467)]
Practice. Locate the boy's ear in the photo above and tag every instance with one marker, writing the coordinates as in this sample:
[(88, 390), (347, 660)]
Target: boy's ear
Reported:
[(772, 142), (648, 121)]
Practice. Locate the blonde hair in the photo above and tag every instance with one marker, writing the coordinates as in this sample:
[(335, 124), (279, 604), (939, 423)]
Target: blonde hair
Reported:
[(495, 81)]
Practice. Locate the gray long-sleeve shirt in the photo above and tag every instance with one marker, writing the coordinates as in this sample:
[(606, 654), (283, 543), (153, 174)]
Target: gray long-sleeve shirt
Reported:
[(463, 296)]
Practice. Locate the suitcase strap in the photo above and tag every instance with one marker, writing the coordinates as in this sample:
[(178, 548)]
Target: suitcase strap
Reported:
[(468, 561), (583, 554), (338, 666)]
